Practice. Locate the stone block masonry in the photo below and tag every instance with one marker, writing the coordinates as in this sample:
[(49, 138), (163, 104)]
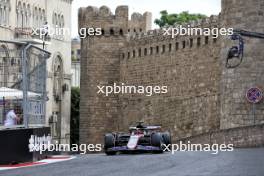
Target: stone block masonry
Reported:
[(203, 95)]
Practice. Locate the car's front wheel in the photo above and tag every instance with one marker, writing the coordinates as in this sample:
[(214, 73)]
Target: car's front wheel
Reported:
[(109, 142)]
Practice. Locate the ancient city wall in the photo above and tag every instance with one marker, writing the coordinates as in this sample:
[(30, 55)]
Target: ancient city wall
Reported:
[(235, 109), (244, 136), (188, 65), (100, 66), (203, 95)]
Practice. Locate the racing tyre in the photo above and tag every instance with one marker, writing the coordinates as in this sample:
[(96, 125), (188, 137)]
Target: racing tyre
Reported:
[(109, 142), (166, 138), (157, 141)]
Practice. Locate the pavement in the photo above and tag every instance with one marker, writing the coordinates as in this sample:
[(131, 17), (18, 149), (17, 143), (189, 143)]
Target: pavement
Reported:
[(240, 162)]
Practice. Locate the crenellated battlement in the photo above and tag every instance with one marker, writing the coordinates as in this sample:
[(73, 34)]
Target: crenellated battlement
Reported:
[(209, 22), (154, 42), (114, 24)]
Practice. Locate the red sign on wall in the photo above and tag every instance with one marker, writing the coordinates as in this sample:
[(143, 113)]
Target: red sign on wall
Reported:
[(254, 95)]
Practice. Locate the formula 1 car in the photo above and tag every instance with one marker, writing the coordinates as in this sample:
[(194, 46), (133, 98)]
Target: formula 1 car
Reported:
[(140, 138)]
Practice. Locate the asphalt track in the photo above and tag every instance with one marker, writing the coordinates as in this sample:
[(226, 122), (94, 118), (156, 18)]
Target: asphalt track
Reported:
[(240, 162)]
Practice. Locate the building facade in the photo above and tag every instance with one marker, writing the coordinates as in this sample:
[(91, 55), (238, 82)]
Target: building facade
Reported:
[(203, 94), (17, 17), (76, 57)]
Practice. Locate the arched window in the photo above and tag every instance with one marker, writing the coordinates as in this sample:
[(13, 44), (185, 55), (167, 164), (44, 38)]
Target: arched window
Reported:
[(4, 15), (40, 18), (55, 20), (35, 17), (19, 14), (7, 12), (24, 16), (1, 16), (43, 16), (62, 21), (28, 16), (58, 21)]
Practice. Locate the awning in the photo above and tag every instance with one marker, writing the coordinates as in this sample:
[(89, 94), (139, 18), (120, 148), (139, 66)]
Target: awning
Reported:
[(11, 94)]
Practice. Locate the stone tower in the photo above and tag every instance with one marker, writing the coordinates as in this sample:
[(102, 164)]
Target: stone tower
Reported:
[(100, 66), (236, 111)]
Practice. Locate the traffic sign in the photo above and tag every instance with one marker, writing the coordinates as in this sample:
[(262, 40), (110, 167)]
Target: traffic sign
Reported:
[(254, 95)]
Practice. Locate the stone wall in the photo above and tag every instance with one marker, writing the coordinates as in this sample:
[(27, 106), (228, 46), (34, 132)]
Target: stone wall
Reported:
[(203, 95), (235, 110), (246, 136), (189, 66), (100, 65)]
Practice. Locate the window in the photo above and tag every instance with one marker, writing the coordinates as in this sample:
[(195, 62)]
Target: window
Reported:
[(1, 16), (198, 41), (183, 44), (157, 49), (79, 52), (163, 48), (206, 40), (134, 53), (170, 47), (111, 32), (35, 17), (214, 38), (5, 12), (139, 52), (177, 46), (151, 50), (145, 51), (28, 16), (191, 43), (128, 55), (19, 15), (121, 31)]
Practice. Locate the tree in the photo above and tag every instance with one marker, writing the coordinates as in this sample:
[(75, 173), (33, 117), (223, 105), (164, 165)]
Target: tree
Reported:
[(75, 114), (174, 18)]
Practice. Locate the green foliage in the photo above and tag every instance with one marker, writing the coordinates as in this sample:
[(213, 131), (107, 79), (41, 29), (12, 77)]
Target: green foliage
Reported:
[(174, 18), (75, 114)]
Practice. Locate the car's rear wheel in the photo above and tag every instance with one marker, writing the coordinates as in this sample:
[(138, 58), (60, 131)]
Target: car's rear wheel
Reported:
[(166, 138), (157, 141), (109, 142)]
